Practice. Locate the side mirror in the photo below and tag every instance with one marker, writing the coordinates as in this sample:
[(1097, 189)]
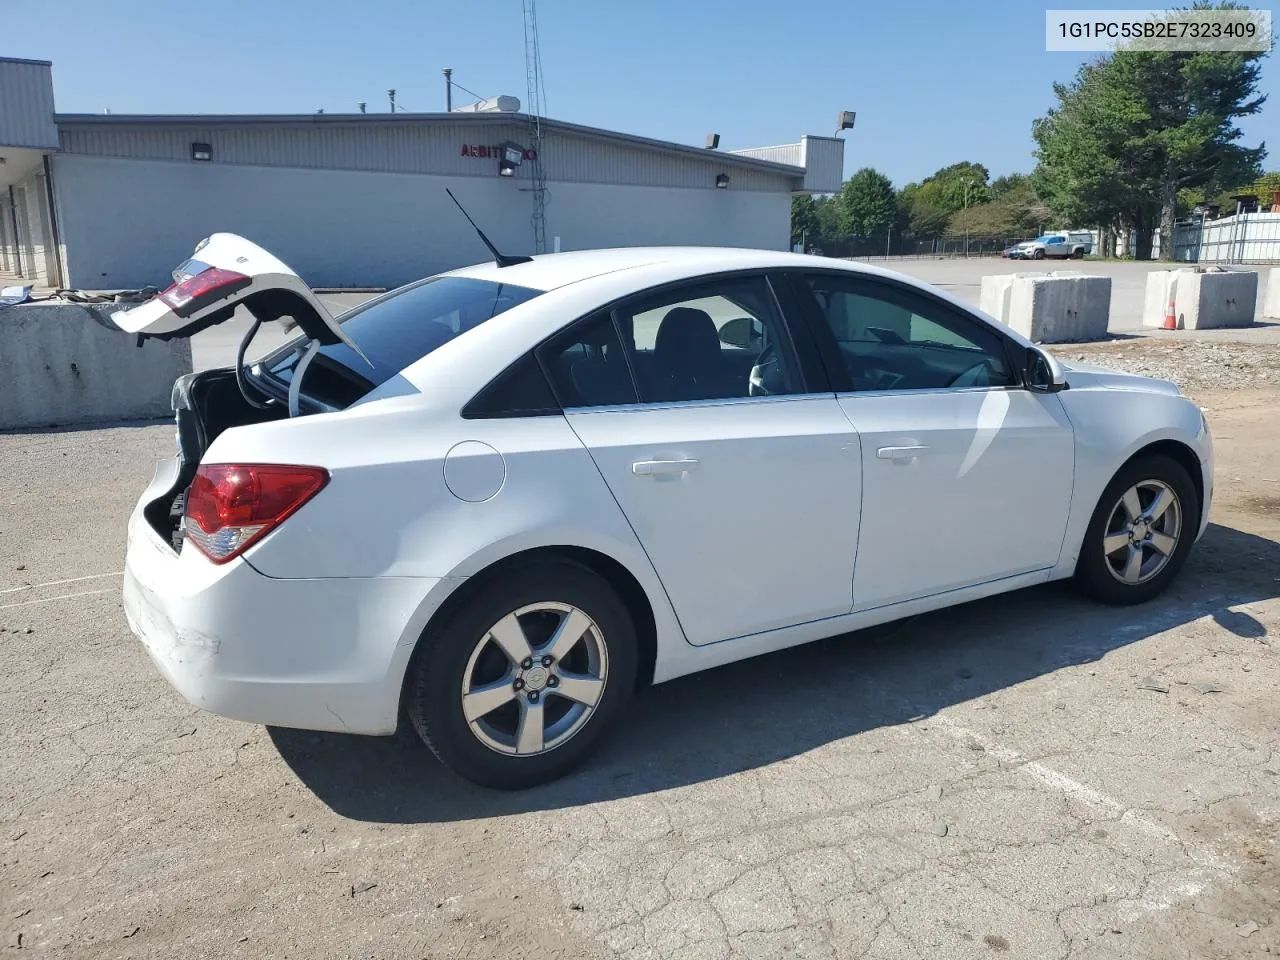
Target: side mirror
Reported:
[(1044, 373), (744, 332)]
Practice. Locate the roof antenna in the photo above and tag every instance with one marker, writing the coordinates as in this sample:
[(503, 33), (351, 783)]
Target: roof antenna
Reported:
[(498, 258)]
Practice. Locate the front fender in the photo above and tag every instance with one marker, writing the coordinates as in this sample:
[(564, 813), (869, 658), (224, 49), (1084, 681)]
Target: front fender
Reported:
[(1111, 426)]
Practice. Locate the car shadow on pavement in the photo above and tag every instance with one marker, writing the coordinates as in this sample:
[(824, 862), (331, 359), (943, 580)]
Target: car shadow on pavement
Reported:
[(756, 712)]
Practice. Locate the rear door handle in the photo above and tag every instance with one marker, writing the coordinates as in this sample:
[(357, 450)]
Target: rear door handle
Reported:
[(900, 454), (654, 468)]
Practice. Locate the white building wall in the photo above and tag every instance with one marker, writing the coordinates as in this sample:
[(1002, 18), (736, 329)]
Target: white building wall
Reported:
[(588, 215), (126, 223), (821, 157)]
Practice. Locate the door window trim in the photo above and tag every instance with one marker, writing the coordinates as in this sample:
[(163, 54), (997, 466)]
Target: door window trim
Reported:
[(814, 379), (903, 294)]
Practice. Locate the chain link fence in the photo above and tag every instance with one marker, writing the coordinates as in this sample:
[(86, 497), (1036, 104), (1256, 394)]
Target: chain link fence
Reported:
[(889, 245)]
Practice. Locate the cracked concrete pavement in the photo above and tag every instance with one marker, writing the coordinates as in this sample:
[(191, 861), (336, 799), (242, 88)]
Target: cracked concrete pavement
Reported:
[(1031, 776)]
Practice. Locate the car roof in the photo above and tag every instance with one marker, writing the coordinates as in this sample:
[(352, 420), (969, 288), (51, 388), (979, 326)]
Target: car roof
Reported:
[(550, 271), (576, 284)]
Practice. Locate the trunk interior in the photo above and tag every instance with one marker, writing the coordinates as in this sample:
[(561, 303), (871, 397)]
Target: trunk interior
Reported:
[(204, 404)]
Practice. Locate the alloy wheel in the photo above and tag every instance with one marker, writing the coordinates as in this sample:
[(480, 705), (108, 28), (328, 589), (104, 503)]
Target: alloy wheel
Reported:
[(534, 679), (1142, 532)]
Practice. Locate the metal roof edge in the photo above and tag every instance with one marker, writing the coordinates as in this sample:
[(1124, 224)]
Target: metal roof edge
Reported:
[(34, 63), (462, 118), (632, 139)]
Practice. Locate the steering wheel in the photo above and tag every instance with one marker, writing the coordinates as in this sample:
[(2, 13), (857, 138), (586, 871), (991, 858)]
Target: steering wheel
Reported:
[(757, 384)]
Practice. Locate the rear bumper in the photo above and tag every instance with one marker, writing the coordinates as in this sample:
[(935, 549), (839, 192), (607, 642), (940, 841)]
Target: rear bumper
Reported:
[(313, 654)]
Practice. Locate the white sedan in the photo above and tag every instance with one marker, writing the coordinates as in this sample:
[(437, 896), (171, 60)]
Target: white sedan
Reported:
[(499, 500)]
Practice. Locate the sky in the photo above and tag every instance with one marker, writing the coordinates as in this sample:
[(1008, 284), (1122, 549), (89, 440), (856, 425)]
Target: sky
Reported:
[(933, 83)]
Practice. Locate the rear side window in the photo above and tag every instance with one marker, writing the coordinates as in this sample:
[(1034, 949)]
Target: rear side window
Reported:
[(588, 367), (393, 332), (519, 391)]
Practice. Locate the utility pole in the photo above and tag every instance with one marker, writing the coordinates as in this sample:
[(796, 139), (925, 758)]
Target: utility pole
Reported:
[(966, 183), (535, 108), (448, 90), (391, 95)]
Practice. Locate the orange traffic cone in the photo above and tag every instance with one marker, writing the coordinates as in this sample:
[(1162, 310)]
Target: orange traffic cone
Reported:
[(1171, 317)]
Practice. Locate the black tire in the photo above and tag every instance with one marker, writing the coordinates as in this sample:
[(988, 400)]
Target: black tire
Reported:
[(1077, 254), (1093, 571), (433, 684), (1038, 255)]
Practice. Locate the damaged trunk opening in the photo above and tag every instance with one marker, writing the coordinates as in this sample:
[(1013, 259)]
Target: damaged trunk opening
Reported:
[(330, 365), (205, 404)]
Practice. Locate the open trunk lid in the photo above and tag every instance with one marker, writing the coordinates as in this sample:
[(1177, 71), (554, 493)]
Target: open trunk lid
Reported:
[(227, 271)]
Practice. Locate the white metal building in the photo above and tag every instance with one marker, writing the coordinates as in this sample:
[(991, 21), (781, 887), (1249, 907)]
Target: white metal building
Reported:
[(112, 202)]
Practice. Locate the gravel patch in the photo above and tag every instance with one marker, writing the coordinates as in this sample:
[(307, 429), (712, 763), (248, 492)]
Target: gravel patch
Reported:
[(1191, 364)]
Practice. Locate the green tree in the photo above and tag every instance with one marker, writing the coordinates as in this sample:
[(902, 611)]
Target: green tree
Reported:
[(829, 223), (1014, 210), (932, 203), (1136, 127), (1264, 187), (804, 218), (1009, 183), (867, 204)]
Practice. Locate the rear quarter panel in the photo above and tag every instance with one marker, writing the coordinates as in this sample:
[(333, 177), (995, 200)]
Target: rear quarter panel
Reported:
[(388, 511), (1111, 425)]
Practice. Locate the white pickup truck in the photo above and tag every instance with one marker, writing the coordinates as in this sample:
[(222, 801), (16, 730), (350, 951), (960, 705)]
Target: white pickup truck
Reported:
[(1063, 245)]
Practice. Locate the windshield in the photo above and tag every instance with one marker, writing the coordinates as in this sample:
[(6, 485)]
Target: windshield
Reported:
[(393, 331)]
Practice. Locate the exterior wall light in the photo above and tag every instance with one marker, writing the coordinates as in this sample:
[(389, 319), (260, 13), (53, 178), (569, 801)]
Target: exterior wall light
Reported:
[(722, 181), (512, 157), (201, 151)]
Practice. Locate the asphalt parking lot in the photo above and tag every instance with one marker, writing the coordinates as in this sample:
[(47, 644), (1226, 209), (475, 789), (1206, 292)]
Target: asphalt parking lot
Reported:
[(1031, 776)]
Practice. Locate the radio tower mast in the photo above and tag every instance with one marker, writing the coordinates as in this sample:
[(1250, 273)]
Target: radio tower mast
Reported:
[(535, 109)]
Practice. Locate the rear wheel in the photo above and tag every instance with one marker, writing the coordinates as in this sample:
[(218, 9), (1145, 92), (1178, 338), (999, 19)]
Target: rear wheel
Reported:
[(519, 684), (1141, 532)]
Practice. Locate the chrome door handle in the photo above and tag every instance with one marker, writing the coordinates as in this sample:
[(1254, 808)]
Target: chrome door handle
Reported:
[(900, 454), (654, 468)]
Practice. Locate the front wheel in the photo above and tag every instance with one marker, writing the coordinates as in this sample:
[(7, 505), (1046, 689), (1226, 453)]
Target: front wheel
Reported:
[(518, 685), (1141, 532), (1038, 255)]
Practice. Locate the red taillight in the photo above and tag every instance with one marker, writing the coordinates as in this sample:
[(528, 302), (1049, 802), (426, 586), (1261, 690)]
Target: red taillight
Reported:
[(186, 296), (232, 506)]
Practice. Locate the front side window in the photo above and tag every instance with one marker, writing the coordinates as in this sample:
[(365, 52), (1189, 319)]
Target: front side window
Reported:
[(893, 340)]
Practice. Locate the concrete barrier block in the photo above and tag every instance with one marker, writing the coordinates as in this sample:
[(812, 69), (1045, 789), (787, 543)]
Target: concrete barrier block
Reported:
[(1058, 307), (1202, 299), (64, 364), (1271, 306), (993, 296), (1161, 288)]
